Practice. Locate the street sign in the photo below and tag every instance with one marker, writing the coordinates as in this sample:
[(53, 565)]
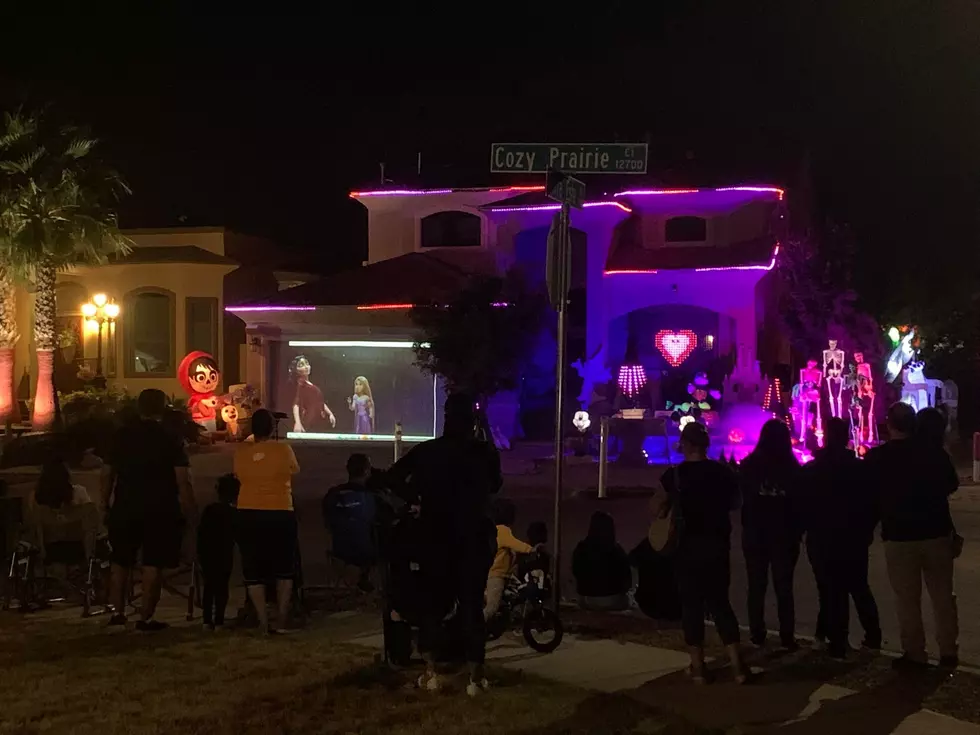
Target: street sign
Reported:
[(576, 158), (565, 189)]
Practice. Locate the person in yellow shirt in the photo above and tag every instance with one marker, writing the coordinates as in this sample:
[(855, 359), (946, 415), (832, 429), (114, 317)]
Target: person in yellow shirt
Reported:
[(508, 547), (266, 522)]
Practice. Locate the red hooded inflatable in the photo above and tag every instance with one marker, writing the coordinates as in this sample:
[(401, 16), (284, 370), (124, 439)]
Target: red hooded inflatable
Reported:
[(199, 376)]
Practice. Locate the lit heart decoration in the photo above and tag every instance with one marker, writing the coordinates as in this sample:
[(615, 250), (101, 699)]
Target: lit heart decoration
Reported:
[(676, 347)]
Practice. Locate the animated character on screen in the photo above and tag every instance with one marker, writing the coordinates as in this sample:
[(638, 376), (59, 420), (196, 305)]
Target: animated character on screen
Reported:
[(362, 406), (809, 398), (310, 412), (833, 371), (199, 376)]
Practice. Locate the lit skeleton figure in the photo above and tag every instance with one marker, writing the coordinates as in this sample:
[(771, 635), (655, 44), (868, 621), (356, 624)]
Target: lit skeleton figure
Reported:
[(833, 373), (867, 431), (810, 379)]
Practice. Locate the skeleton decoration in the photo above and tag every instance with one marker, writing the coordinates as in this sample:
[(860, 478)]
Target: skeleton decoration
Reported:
[(809, 398), (833, 373)]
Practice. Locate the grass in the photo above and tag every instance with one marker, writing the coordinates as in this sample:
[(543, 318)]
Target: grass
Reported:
[(60, 674)]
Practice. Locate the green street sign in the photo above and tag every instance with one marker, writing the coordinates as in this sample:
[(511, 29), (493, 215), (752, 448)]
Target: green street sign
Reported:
[(574, 158)]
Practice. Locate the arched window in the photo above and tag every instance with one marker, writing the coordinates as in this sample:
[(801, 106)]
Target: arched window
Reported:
[(686, 229), (451, 230), (149, 323)]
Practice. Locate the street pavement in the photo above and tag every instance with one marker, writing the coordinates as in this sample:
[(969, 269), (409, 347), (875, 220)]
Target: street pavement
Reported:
[(322, 466), (797, 704)]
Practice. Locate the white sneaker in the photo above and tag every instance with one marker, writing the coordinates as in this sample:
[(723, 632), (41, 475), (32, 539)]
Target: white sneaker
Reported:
[(475, 688), (429, 683)]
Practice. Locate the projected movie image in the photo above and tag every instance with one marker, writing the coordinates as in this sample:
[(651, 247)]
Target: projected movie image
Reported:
[(354, 390)]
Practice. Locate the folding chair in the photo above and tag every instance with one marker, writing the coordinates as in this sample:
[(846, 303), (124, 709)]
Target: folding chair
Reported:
[(67, 537)]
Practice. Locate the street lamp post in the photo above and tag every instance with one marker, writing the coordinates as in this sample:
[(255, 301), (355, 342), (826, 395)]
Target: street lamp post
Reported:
[(101, 311)]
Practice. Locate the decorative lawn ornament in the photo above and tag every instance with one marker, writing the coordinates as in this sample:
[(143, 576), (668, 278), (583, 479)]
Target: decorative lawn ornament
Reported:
[(676, 347)]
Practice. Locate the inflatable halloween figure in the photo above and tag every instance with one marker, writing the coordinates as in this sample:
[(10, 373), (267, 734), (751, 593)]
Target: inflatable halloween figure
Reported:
[(229, 414), (199, 376)]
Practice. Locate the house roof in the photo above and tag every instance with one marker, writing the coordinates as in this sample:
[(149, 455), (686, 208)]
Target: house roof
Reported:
[(415, 278), (150, 254), (759, 253)]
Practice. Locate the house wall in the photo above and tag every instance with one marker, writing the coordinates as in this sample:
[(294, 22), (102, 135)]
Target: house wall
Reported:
[(181, 280), (394, 222)]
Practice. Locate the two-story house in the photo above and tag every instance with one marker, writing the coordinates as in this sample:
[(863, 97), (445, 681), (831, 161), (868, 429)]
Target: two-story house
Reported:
[(672, 275)]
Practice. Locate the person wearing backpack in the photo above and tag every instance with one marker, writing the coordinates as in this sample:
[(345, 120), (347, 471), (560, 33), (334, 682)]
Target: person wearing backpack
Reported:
[(697, 499)]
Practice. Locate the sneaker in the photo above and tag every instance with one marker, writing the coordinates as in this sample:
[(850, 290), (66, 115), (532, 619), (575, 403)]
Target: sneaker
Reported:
[(117, 621), (150, 626), (475, 688), (904, 663), (949, 662), (430, 683)]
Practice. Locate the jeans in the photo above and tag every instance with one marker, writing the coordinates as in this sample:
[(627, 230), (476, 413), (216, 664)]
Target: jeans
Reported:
[(779, 555), (494, 593), (909, 563), (214, 596), (842, 575), (703, 572)]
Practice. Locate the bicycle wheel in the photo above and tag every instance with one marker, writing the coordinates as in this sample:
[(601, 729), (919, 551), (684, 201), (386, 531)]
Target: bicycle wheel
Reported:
[(542, 630)]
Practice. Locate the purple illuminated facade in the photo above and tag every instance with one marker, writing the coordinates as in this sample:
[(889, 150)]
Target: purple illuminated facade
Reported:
[(645, 261)]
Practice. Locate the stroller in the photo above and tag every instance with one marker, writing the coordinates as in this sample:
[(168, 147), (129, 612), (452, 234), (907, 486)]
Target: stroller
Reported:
[(408, 596)]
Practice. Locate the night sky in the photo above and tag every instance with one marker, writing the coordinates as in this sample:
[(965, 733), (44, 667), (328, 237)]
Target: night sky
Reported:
[(265, 124)]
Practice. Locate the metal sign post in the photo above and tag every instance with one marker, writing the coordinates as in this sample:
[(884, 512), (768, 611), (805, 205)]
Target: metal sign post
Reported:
[(561, 304), (558, 160)]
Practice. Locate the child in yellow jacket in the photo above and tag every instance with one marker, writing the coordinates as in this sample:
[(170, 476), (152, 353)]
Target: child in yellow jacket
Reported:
[(508, 547)]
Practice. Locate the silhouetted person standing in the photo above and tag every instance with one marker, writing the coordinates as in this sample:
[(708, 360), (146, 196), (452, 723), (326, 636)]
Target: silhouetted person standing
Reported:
[(914, 478), (840, 517), (771, 532), (149, 500), (452, 479)]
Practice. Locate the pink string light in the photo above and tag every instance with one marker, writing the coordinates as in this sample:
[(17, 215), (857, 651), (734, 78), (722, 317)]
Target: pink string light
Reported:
[(427, 192), (556, 207), (631, 379), (269, 308)]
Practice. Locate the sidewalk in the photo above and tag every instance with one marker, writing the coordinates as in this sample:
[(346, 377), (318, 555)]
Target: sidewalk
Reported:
[(789, 696)]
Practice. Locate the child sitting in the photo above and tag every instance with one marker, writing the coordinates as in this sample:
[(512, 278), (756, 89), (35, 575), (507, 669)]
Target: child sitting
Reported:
[(508, 547), (215, 550)]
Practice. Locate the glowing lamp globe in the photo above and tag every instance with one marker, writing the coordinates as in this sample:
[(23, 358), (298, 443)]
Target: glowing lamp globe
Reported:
[(99, 299), (88, 310), (111, 310)]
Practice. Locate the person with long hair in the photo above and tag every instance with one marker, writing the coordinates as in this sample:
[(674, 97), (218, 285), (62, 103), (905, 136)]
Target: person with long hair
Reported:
[(601, 567), (361, 404), (310, 410), (770, 479), (266, 522), (702, 494), (55, 489)]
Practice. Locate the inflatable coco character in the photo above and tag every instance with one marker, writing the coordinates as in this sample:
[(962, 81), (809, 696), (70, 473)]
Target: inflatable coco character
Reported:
[(199, 377)]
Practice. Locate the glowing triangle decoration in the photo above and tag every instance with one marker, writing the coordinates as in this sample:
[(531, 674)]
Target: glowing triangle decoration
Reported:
[(676, 347)]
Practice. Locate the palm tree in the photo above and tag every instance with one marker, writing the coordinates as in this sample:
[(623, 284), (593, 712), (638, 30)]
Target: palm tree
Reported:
[(53, 193)]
